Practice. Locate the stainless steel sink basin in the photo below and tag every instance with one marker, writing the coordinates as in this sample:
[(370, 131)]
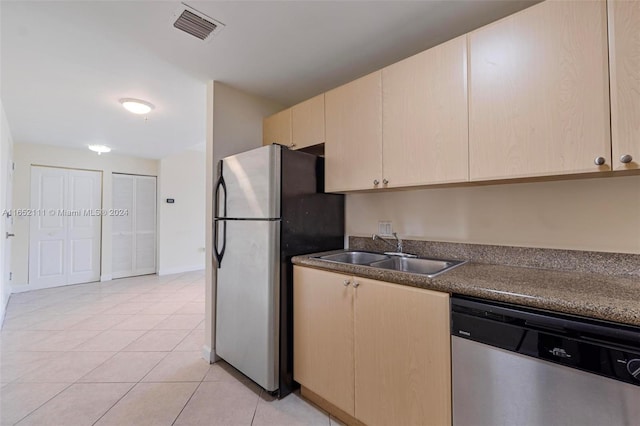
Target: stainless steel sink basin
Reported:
[(355, 257), (428, 267)]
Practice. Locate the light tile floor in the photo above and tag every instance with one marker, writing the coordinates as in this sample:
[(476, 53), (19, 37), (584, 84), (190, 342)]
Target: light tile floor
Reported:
[(126, 352)]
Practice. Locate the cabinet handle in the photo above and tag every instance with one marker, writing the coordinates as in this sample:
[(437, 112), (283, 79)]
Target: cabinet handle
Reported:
[(356, 284), (376, 182), (385, 181), (346, 283), (599, 161), (626, 159)]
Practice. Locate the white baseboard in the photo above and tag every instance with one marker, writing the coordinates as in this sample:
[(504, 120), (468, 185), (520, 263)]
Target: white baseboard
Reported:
[(22, 288), (106, 277), (179, 270), (209, 355)]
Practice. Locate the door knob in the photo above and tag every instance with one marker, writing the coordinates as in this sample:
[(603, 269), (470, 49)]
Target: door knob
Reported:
[(9, 235), (599, 161), (626, 159)]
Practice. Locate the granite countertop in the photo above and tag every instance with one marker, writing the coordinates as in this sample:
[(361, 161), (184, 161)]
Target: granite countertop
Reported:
[(611, 298)]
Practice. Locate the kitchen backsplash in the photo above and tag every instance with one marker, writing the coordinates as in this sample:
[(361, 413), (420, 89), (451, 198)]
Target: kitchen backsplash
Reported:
[(568, 260)]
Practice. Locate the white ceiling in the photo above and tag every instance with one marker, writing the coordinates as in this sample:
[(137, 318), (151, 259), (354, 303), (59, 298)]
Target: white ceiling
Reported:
[(64, 65)]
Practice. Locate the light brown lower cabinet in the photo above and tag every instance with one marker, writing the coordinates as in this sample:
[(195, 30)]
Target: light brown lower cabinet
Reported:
[(380, 352)]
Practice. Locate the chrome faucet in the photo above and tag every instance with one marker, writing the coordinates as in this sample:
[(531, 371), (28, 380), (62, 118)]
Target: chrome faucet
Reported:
[(397, 246)]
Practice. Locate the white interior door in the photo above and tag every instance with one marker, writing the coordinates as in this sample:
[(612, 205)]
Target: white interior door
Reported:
[(122, 226), (64, 245), (145, 225), (83, 230), (134, 234)]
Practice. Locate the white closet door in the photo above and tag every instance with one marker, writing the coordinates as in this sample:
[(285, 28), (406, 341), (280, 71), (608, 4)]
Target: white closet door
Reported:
[(47, 232), (122, 226), (64, 238), (134, 235), (145, 225), (83, 231)]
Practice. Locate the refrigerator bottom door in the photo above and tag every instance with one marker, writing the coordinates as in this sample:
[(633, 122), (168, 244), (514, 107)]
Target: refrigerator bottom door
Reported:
[(248, 300)]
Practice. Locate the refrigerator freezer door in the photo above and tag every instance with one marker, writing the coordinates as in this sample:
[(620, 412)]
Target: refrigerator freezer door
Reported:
[(252, 181), (248, 294)]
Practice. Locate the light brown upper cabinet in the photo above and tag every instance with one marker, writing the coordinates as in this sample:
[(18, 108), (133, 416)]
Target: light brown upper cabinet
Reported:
[(624, 60), (539, 93), (425, 117), (277, 128), (353, 146), (307, 123)]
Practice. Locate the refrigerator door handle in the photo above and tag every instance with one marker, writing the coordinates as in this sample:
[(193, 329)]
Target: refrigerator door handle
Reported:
[(219, 254)]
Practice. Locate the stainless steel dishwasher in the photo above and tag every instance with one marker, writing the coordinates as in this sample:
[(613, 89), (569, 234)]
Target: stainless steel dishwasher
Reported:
[(521, 366)]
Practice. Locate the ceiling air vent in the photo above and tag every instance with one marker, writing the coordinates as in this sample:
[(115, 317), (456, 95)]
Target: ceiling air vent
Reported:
[(196, 23)]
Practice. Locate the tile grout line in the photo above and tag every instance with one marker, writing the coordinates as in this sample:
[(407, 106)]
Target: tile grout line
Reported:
[(188, 400), (41, 405), (115, 403), (256, 409)]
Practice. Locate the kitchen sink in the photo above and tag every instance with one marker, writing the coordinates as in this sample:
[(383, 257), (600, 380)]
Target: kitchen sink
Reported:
[(403, 263), (428, 267), (355, 257)]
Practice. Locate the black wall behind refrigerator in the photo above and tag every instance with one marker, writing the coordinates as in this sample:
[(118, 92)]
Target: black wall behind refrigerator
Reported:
[(312, 221)]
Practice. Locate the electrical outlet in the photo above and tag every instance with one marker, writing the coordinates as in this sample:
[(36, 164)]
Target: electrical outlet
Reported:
[(385, 228)]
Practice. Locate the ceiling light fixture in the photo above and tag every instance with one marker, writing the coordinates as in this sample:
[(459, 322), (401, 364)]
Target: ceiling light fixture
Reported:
[(99, 148), (136, 106)]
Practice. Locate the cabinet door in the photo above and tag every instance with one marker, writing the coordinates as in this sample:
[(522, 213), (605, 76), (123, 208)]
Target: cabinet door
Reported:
[(538, 92), (624, 54), (425, 136), (277, 128), (307, 123), (402, 355), (353, 147), (323, 335)]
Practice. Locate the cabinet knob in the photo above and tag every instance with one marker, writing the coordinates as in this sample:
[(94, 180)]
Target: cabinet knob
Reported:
[(385, 181), (346, 283), (626, 159), (356, 284), (293, 145), (599, 161), (376, 181)]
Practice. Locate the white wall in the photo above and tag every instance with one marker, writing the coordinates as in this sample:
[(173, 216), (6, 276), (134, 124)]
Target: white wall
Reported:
[(26, 155), (181, 227), (6, 154), (600, 214), (234, 124)]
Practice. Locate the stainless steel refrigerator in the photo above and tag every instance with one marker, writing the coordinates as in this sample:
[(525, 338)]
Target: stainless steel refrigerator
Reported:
[(270, 205)]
